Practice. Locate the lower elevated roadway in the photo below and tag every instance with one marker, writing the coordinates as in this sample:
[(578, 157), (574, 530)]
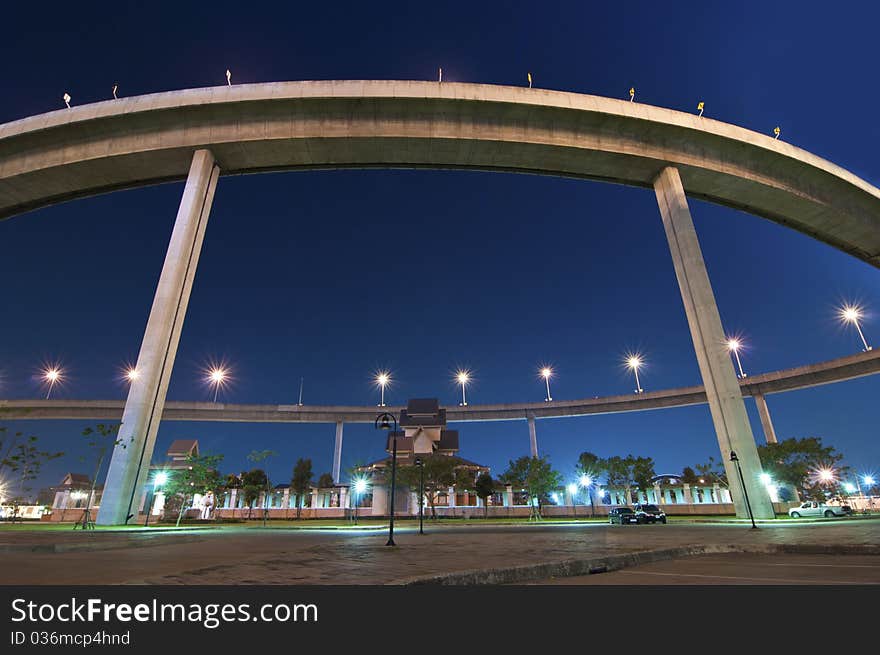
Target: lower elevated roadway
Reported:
[(802, 377)]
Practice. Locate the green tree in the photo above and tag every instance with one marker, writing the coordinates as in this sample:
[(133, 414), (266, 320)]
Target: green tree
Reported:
[(199, 476), (689, 476), (713, 471), (485, 487), (257, 456), (440, 473), (301, 482), (641, 471), (253, 483), (794, 462), (589, 464), (326, 481), (536, 476), (23, 459)]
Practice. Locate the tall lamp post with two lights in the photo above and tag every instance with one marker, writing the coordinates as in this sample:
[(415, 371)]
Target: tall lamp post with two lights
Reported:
[(383, 422)]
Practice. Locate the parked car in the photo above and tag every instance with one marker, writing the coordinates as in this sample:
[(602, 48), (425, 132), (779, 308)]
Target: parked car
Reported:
[(622, 515), (649, 514), (813, 508)]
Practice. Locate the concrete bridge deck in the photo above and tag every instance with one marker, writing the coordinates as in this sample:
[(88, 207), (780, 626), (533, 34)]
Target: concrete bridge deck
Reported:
[(802, 377)]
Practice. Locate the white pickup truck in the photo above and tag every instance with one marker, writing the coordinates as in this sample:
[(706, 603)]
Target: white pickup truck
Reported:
[(813, 508)]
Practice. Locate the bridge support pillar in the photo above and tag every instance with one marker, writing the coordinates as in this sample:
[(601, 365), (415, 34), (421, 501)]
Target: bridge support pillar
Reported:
[(722, 388), (533, 435), (146, 397), (764, 413), (337, 452)]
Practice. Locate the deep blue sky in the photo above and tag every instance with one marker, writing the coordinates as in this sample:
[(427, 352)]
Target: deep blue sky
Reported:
[(329, 275)]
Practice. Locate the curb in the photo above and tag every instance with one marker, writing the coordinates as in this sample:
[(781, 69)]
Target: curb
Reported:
[(569, 568)]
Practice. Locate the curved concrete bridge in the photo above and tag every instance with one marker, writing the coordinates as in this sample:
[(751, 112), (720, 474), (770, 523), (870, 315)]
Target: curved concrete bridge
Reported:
[(199, 134)]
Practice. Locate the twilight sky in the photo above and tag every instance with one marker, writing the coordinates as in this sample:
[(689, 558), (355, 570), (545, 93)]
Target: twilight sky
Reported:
[(331, 275)]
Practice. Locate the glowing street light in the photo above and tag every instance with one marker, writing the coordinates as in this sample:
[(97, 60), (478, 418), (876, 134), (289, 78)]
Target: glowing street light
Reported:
[(132, 374), (733, 345), (826, 475), (853, 314), (547, 373), (159, 479), (463, 377), (382, 380), (635, 362), (359, 486), (217, 377), (51, 376), (868, 480)]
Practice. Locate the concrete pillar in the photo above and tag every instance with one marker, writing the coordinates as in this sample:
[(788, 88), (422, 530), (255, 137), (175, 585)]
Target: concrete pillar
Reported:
[(146, 395), (688, 498), (533, 435), (658, 495), (315, 499), (508, 496), (232, 502), (722, 387), (716, 493), (337, 453), (766, 423), (285, 501), (451, 495)]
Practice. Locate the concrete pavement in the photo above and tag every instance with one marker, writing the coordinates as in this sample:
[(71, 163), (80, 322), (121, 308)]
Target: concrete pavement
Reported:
[(237, 555)]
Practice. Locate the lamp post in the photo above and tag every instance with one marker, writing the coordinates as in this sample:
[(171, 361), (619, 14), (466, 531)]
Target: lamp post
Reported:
[(382, 380), (421, 466), (853, 314), (463, 377), (546, 373), (360, 486), (634, 362), (51, 375), (735, 460), (586, 482), (216, 377), (158, 480), (383, 422), (733, 345)]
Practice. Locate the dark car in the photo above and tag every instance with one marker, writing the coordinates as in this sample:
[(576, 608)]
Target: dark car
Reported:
[(649, 514), (622, 515)]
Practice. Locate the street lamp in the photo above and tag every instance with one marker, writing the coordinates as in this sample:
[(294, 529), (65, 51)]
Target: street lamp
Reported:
[(158, 480), (853, 314), (735, 460), (635, 362), (360, 486), (733, 345), (382, 380), (383, 422), (547, 373), (572, 490), (132, 374), (586, 482), (463, 377), (421, 466), (217, 377), (51, 375)]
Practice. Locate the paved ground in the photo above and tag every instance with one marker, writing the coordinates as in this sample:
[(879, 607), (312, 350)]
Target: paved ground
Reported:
[(247, 555), (740, 569)]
